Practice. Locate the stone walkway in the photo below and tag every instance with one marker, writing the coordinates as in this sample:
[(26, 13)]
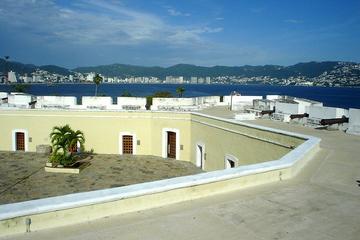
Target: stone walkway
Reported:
[(22, 175)]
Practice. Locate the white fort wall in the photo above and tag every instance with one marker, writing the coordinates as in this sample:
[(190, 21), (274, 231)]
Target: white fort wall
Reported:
[(80, 207), (354, 121), (173, 103), (55, 102), (240, 102), (97, 102), (102, 130), (131, 103), (20, 100), (318, 112), (3, 95)]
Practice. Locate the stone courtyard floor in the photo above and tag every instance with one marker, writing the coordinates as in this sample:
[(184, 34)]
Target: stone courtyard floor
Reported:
[(22, 175)]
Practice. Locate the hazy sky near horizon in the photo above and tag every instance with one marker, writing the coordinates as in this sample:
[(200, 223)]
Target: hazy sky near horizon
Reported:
[(166, 32)]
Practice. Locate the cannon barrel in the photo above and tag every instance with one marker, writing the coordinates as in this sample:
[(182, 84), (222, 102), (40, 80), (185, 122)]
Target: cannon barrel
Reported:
[(293, 116), (267, 112), (334, 121)]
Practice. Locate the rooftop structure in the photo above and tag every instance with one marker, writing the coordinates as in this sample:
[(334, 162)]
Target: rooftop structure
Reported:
[(211, 143), (312, 196)]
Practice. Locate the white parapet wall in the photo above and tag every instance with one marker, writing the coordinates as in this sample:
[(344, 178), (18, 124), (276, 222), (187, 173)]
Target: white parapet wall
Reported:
[(20, 100), (304, 103), (169, 104), (317, 112), (3, 95), (283, 110), (287, 107), (208, 100), (263, 104), (97, 102), (131, 103), (240, 102), (354, 121), (273, 97), (55, 102)]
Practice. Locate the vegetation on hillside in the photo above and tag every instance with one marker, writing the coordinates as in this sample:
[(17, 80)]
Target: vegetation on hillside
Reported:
[(309, 69)]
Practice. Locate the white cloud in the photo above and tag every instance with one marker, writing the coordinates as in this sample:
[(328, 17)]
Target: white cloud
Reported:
[(95, 22), (184, 36), (174, 12), (293, 21)]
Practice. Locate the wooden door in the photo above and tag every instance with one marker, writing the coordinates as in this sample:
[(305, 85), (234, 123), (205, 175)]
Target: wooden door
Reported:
[(127, 144), (20, 141), (171, 144)]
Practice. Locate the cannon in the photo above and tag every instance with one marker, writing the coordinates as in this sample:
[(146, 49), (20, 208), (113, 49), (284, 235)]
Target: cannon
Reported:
[(293, 116), (267, 112), (332, 121)]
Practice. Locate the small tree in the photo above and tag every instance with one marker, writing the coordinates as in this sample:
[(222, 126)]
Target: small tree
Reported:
[(20, 87), (180, 91), (64, 142), (97, 80), (159, 94)]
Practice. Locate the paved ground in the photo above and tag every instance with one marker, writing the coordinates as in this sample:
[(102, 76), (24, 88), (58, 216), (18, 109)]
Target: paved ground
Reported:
[(322, 202), (219, 111), (22, 175)]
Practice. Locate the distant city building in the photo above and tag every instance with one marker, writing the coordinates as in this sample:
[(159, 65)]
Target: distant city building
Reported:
[(26, 79), (207, 80), (193, 80), (90, 77), (174, 80), (12, 77)]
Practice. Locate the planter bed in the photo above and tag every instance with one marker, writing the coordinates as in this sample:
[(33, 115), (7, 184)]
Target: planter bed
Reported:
[(74, 169)]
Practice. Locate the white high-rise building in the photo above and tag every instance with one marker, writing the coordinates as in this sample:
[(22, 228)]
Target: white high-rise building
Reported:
[(207, 80), (12, 77), (172, 79), (193, 80), (90, 77)]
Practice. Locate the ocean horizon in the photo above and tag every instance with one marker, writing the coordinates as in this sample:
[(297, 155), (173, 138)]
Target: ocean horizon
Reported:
[(343, 97)]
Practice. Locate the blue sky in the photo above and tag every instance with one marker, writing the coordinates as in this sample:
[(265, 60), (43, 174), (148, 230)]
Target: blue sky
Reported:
[(163, 33)]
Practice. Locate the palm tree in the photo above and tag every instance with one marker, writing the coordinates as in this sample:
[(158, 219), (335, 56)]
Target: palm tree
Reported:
[(59, 138), (180, 90), (74, 138), (64, 141), (97, 80)]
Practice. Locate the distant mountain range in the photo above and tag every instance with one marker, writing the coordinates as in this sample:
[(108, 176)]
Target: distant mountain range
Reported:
[(309, 69), (21, 68)]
